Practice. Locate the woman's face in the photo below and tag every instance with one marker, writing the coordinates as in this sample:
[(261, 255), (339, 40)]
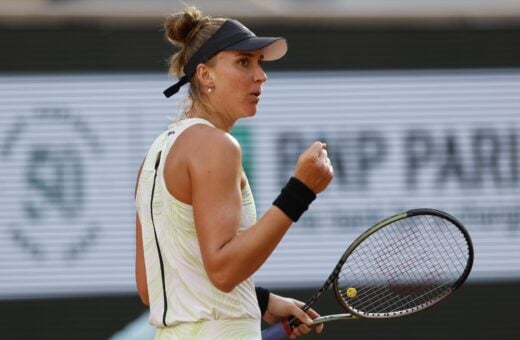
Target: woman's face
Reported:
[(238, 78)]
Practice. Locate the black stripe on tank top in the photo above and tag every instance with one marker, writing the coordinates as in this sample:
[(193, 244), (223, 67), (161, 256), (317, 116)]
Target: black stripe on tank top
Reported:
[(157, 242)]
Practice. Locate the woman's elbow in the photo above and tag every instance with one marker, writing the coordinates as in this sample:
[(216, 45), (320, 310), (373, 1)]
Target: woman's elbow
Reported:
[(223, 282)]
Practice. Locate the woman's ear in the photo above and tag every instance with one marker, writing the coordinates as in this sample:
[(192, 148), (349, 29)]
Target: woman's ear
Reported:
[(205, 76)]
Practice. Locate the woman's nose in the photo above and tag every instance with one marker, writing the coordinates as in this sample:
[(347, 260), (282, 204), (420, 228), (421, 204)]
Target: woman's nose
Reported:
[(260, 75)]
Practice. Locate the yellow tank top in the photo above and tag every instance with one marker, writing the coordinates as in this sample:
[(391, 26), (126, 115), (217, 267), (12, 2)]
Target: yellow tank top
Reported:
[(179, 289)]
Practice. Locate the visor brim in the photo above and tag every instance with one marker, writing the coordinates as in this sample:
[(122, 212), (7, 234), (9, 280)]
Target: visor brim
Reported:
[(273, 48)]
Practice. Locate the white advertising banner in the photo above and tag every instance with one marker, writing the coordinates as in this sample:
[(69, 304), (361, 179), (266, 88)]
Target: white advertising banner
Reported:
[(70, 147)]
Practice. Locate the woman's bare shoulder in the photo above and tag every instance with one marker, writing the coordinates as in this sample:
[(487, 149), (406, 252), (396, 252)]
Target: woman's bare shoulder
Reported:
[(202, 140)]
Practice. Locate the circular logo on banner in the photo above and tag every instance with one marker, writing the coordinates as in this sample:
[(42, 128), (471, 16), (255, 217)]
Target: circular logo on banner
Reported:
[(47, 152)]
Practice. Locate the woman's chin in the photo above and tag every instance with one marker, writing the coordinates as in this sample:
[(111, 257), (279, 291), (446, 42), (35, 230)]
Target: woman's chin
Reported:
[(250, 112)]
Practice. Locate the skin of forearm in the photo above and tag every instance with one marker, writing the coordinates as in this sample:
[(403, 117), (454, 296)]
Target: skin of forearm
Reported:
[(240, 257)]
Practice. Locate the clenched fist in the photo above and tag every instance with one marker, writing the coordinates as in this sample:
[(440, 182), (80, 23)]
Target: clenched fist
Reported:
[(313, 167)]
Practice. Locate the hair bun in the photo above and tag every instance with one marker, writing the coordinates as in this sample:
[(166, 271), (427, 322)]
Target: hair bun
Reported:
[(178, 26)]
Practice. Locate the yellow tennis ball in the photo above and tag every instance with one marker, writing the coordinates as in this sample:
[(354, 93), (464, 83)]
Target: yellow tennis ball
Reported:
[(351, 292)]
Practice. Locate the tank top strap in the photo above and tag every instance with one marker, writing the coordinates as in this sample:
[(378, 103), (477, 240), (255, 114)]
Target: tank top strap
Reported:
[(174, 130), (185, 123)]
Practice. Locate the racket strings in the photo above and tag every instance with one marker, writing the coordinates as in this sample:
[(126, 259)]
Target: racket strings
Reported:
[(395, 305), (406, 265), (407, 290), (403, 290), (376, 293)]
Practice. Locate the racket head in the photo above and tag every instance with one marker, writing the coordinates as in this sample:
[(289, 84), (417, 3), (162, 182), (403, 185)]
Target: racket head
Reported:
[(404, 264)]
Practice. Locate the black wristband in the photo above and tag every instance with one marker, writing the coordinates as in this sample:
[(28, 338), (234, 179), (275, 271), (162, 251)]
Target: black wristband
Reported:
[(262, 295), (294, 199)]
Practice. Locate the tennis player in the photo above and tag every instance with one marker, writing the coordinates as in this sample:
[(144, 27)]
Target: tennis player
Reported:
[(198, 240)]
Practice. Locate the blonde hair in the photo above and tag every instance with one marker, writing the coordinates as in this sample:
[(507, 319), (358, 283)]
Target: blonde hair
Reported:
[(189, 30)]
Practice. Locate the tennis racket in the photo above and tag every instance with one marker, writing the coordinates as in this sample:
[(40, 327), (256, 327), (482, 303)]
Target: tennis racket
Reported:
[(400, 266)]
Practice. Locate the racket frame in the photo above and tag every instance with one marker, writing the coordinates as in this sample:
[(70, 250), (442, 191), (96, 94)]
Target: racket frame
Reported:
[(333, 277), (284, 328), (379, 226)]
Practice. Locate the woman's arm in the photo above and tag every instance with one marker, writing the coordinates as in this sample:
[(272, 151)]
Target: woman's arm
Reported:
[(215, 172), (140, 269)]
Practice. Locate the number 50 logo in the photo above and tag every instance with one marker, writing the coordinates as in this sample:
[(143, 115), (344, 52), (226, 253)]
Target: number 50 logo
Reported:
[(46, 184)]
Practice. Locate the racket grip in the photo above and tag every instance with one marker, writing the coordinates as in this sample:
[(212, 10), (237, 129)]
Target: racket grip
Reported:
[(280, 331)]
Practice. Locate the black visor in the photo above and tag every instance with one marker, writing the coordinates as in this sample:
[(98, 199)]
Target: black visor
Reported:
[(231, 36)]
